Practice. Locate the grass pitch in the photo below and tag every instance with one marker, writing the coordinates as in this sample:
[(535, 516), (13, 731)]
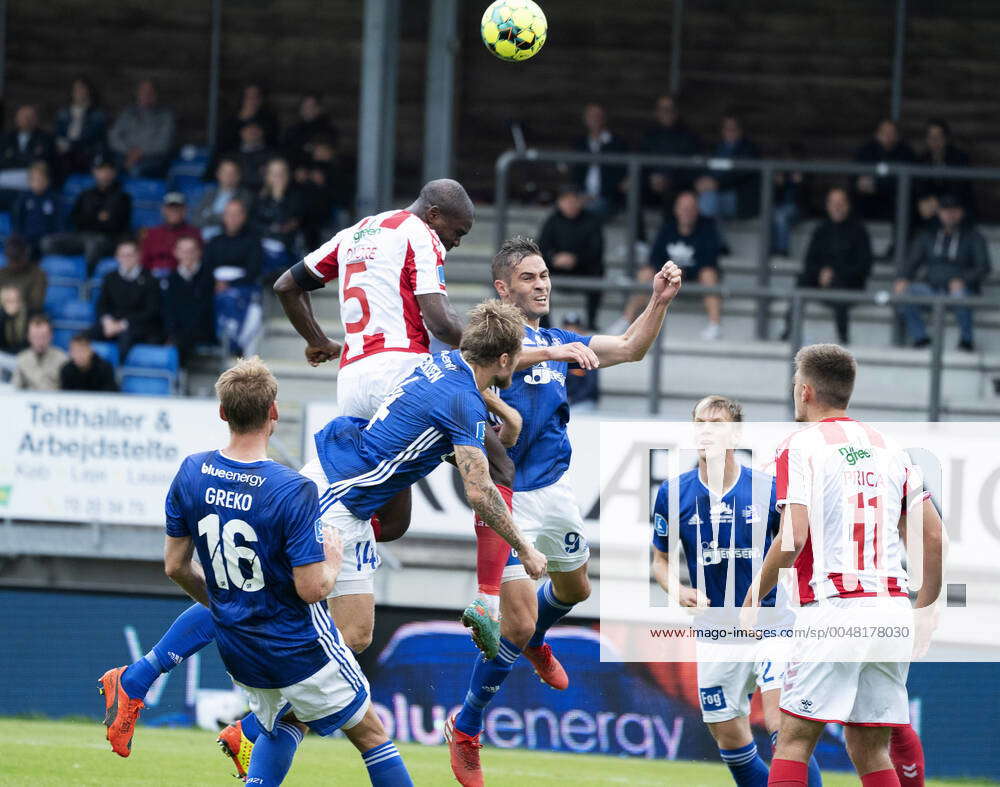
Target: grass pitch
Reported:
[(40, 753)]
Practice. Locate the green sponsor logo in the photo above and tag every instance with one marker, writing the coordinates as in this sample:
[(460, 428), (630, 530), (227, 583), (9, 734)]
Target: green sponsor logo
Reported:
[(852, 455), (5, 495), (366, 233)]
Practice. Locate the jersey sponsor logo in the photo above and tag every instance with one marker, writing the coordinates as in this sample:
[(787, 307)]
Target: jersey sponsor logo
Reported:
[(445, 359), (722, 513), (751, 515), (440, 269), (711, 554), (541, 374), (367, 232), (660, 524), (228, 498), (228, 475), (481, 431), (852, 455), (712, 698), (431, 370)]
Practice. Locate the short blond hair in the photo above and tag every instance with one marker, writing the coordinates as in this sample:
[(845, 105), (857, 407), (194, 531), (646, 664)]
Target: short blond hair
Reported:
[(494, 328), (717, 402), (830, 370), (246, 392)]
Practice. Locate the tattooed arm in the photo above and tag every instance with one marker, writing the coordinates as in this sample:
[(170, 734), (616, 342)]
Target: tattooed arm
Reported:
[(491, 509)]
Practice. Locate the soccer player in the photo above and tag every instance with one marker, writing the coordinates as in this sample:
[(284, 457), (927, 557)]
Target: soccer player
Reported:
[(545, 507), (846, 492), (392, 289), (725, 520), (436, 411), (265, 568)]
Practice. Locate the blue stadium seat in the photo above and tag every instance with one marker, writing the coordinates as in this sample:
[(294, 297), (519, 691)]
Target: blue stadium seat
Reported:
[(94, 293), (144, 190), (58, 294), (80, 313), (192, 188), (153, 356), (103, 268), (4, 224), (58, 266), (145, 216), (61, 337), (108, 351), (75, 185), (3, 260), (191, 162), (144, 385)]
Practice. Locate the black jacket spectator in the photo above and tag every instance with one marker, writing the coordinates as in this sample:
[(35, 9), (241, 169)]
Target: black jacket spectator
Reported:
[(36, 215), (940, 151), (572, 243), (691, 252), (745, 183), (843, 246), (938, 256), (601, 183), (241, 251), (188, 309), (105, 211), (99, 375), (18, 150), (875, 196), (135, 299), (668, 136), (81, 128)]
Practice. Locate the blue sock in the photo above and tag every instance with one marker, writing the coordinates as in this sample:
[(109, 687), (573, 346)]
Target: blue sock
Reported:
[(483, 686), (386, 767), (815, 777), (251, 727), (550, 611), (745, 764), (192, 631), (272, 755)]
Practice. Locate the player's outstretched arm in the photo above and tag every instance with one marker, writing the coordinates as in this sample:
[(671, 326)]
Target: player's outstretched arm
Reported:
[(486, 501), (510, 430), (668, 578), (315, 581), (178, 565), (636, 341), (293, 288), (441, 318)]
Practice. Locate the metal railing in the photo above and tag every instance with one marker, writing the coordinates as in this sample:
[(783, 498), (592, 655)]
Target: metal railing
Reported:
[(797, 299), (635, 163)]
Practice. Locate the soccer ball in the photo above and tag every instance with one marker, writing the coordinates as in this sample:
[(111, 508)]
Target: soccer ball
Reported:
[(514, 29)]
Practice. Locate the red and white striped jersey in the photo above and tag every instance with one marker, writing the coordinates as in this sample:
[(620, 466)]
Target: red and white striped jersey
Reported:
[(383, 262), (856, 483)]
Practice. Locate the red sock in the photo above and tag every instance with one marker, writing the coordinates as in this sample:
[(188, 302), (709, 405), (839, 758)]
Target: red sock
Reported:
[(907, 754), (491, 550), (886, 778), (788, 773), (377, 527)]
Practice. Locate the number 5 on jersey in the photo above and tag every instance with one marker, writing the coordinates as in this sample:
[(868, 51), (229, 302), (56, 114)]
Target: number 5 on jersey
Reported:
[(230, 561)]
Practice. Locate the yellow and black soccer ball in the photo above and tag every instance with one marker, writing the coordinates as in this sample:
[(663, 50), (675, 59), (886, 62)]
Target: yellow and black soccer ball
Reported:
[(514, 29)]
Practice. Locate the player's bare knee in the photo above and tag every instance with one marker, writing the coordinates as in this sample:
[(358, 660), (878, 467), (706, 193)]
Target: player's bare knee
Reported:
[(572, 588), (357, 638), (731, 734)]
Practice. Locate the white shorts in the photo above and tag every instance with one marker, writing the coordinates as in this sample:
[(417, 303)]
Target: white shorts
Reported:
[(866, 693), (363, 385), (550, 518), (336, 697), (361, 558), (725, 687)]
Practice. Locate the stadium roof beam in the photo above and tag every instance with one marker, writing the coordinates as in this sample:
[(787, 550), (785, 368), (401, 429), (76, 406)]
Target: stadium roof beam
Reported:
[(377, 106), (898, 61), (439, 96)]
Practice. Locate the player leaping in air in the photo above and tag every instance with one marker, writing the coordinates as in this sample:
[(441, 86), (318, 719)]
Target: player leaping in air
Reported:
[(545, 507)]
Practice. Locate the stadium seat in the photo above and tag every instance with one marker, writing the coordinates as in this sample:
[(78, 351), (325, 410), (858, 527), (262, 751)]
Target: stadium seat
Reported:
[(108, 351), (3, 260), (145, 216), (145, 190), (192, 188), (191, 162), (103, 268), (62, 336), (57, 295), (151, 370), (65, 268), (94, 293), (79, 313), (75, 185), (4, 225)]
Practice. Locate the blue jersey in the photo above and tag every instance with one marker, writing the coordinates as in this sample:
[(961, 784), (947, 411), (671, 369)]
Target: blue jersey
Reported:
[(542, 453), (435, 408), (715, 531), (252, 522)]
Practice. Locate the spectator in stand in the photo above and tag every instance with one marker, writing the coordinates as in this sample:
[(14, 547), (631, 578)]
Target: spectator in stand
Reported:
[(159, 242), (188, 293), (24, 274), (36, 213), (143, 134), (949, 259), (839, 257), (208, 214), (37, 368), (874, 195), (253, 154), (604, 185), (253, 109), (86, 370), (101, 215), (582, 385), (13, 320), (278, 209), (128, 311), (572, 243), (730, 194), (81, 128), (235, 257), (786, 212), (940, 152), (23, 145), (692, 242), (313, 122), (668, 136)]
